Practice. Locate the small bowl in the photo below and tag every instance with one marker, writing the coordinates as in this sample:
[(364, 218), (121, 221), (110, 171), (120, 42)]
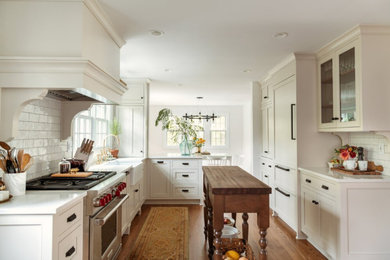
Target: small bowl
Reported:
[(229, 232)]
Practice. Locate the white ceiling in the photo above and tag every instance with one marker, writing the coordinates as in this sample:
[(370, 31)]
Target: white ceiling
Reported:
[(208, 43)]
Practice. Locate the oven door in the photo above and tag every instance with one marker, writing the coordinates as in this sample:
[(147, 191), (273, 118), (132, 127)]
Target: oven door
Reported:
[(105, 230)]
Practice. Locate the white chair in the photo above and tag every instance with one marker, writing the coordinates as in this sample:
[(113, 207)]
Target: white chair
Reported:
[(214, 160)]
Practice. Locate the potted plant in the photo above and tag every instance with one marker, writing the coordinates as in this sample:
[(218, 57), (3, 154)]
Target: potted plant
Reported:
[(198, 143), (182, 129), (348, 154), (115, 130)]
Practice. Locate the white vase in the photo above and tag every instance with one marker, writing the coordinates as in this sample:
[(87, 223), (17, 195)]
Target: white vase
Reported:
[(15, 183)]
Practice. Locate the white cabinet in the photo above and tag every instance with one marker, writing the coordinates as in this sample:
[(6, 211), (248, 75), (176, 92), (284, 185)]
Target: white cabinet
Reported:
[(160, 178), (135, 94), (350, 69), (44, 236), (267, 123), (285, 122), (267, 176), (132, 138), (266, 93), (175, 179)]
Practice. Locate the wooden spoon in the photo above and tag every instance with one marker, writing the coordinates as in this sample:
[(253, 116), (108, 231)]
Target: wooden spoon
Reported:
[(28, 164), (20, 158), (25, 160), (6, 147)]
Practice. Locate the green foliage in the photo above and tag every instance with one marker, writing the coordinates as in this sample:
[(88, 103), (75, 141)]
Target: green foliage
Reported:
[(115, 127), (181, 128)]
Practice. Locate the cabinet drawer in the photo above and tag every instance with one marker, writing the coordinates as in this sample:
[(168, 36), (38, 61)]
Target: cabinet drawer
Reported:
[(69, 218), (161, 162), (318, 184), (286, 206), (70, 247), (185, 176), (179, 164), (185, 191), (286, 178)]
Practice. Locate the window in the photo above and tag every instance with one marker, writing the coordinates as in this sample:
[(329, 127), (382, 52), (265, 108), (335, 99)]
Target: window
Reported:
[(92, 124), (215, 132), (218, 131)]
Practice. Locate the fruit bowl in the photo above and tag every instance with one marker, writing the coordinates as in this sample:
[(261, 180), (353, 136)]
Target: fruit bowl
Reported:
[(239, 245), (228, 221)]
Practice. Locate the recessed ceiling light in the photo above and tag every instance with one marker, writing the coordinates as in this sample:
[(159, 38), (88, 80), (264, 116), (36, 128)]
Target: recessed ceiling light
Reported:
[(156, 32), (247, 71), (280, 35), (199, 97), (167, 70)]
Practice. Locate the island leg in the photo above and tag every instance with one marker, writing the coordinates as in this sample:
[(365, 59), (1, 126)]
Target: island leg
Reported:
[(210, 229), (245, 226), (263, 224), (218, 208)]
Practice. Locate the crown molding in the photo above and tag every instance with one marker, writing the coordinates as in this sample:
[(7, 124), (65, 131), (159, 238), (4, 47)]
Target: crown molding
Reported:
[(104, 20)]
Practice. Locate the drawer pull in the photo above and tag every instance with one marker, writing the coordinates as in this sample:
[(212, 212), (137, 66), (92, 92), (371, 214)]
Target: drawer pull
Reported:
[(185, 163), (325, 187), (137, 190), (70, 251), (265, 151), (71, 217), (266, 176), (285, 194), (263, 164), (160, 162), (315, 202), (335, 118), (282, 168), (308, 180), (185, 190), (265, 97), (269, 166), (185, 175)]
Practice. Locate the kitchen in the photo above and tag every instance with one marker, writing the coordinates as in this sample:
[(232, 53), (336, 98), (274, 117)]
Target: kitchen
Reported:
[(66, 65)]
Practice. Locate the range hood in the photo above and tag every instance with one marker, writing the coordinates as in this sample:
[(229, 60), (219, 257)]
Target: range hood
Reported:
[(68, 95)]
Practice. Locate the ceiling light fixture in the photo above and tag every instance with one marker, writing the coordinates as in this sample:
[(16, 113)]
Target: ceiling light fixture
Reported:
[(280, 35), (247, 71), (156, 33), (167, 70)]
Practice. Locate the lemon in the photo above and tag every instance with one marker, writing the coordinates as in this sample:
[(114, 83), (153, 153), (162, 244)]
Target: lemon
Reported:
[(233, 254)]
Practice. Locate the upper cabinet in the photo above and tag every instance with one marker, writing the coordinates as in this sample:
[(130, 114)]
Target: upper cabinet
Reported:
[(353, 84)]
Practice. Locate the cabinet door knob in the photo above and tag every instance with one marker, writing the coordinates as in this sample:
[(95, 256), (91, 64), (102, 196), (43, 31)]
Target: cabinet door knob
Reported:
[(315, 202), (308, 181), (265, 97), (325, 187), (335, 118), (71, 217), (263, 163), (266, 176), (269, 166), (265, 151), (136, 190), (70, 251)]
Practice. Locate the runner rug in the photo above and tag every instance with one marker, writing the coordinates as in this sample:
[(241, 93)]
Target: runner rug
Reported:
[(164, 235)]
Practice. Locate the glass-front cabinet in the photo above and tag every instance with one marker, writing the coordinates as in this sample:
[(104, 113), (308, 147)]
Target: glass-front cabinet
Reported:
[(339, 88)]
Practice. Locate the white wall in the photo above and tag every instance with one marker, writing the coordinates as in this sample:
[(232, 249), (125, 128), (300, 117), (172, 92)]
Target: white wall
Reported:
[(39, 135), (239, 138)]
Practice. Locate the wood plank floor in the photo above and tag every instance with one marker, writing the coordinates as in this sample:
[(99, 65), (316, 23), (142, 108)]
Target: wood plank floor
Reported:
[(282, 244)]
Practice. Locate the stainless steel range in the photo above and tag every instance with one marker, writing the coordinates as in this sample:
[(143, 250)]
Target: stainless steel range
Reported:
[(102, 207)]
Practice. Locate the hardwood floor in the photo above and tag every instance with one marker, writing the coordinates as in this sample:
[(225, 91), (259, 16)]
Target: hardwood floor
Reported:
[(282, 244)]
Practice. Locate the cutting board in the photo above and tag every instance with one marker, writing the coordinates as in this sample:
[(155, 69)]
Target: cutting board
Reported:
[(355, 172), (78, 174)]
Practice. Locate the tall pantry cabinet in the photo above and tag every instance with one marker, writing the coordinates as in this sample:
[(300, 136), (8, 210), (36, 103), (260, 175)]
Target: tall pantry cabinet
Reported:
[(291, 132)]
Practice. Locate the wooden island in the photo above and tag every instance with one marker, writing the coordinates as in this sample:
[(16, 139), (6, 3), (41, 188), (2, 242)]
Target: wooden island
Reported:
[(231, 189)]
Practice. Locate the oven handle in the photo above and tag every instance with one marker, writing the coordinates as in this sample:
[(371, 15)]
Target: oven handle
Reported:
[(114, 207)]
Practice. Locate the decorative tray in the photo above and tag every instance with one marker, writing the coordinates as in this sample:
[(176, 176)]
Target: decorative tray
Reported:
[(355, 172)]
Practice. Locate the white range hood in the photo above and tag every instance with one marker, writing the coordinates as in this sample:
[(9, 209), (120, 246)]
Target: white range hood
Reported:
[(51, 45)]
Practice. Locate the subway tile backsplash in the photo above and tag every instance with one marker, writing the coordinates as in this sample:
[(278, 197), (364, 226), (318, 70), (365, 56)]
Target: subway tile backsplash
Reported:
[(371, 143), (39, 135)]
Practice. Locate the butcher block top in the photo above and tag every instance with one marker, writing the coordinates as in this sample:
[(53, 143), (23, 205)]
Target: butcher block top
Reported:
[(226, 180)]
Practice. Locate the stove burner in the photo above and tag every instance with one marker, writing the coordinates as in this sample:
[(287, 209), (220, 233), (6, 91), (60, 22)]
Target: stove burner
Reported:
[(68, 183)]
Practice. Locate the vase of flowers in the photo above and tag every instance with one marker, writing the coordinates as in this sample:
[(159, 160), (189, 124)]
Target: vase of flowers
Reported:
[(198, 143), (181, 128), (348, 154)]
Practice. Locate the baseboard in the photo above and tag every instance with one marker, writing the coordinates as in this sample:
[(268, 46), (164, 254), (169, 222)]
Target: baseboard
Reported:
[(173, 202)]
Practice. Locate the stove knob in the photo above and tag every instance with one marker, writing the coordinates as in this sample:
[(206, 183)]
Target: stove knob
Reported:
[(109, 196), (124, 185), (102, 202), (118, 192), (120, 187)]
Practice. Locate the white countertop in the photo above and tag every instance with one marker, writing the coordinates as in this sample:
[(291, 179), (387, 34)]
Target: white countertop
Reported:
[(40, 202), (175, 156), (118, 165), (340, 177)]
